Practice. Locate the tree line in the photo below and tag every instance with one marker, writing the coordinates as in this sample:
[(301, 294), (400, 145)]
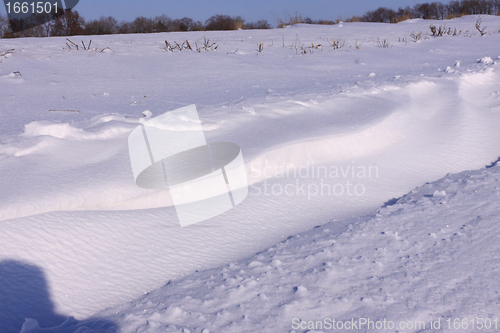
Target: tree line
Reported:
[(71, 23), (433, 10)]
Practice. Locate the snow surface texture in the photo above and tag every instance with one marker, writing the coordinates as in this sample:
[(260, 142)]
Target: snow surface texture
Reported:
[(424, 258), (78, 236)]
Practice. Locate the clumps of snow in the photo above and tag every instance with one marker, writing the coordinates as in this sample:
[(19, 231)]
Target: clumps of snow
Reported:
[(147, 113), (371, 75), (61, 131), (416, 20), (457, 64), (66, 131), (300, 291), (14, 77), (116, 125), (113, 117), (439, 193), (485, 60), (254, 264)]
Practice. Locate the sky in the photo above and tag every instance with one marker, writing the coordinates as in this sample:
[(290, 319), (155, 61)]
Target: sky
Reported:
[(254, 10)]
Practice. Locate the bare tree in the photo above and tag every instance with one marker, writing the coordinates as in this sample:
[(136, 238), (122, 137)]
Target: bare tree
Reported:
[(186, 24), (69, 24), (163, 23), (143, 25), (453, 8), (125, 27), (220, 22), (382, 14), (103, 26)]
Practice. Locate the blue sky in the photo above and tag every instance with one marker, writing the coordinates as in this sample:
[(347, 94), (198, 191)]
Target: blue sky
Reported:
[(250, 10)]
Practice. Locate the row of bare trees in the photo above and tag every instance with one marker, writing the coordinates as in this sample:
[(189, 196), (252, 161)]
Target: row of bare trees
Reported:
[(71, 23), (433, 10)]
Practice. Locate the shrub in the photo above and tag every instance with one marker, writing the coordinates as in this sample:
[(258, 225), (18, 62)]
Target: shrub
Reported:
[(383, 43), (416, 36), (337, 43), (288, 19), (238, 22), (329, 22), (207, 46), (441, 31)]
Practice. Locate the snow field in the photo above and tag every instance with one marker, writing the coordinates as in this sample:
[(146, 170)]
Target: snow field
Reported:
[(70, 207)]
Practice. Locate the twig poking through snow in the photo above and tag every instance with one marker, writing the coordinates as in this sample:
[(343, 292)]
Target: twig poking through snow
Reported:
[(482, 31), (72, 43), (6, 53)]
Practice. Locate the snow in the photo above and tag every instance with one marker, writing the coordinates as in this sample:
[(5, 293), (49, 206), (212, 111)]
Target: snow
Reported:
[(485, 60), (424, 258), (328, 137)]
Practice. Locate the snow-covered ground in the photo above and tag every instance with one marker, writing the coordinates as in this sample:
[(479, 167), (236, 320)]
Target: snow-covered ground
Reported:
[(353, 127)]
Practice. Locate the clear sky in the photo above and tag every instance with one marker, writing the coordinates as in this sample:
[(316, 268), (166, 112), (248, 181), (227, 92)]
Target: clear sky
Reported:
[(250, 10)]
